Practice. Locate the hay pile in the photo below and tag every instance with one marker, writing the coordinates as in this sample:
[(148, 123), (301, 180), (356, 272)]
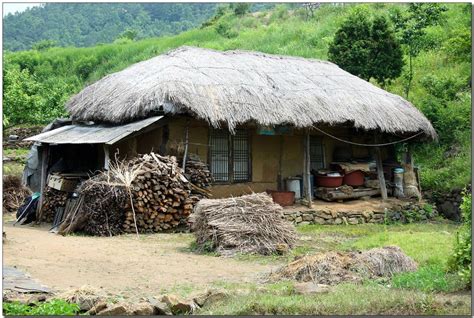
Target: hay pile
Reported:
[(14, 193), (335, 267), (247, 224)]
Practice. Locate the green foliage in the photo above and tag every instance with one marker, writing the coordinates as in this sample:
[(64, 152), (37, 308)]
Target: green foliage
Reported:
[(461, 260), (130, 34), (351, 47), (430, 278), (240, 9), (224, 29), (53, 307), (367, 48), (43, 45)]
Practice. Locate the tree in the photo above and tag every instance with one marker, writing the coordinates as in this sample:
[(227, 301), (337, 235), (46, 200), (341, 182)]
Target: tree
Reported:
[(240, 8), (386, 55), (411, 25), (367, 49), (130, 34), (351, 46), (43, 45)]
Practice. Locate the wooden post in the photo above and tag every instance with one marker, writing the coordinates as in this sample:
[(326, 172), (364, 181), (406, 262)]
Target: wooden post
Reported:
[(308, 172), (44, 176), (106, 157), (381, 177), (186, 142), (280, 184)]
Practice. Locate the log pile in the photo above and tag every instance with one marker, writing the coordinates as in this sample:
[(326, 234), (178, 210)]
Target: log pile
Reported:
[(198, 173), (146, 194), (52, 200), (14, 193), (160, 195)]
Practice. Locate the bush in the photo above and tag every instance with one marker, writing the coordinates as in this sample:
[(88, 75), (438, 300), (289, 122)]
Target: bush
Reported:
[(461, 260), (54, 307)]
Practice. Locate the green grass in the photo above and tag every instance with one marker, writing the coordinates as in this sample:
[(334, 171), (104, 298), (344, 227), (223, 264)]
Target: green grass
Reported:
[(50, 308), (13, 168), (429, 278)]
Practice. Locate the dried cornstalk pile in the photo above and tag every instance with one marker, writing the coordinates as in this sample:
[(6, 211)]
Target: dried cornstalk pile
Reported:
[(335, 267), (52, 200), (247, 224), (14, 193)]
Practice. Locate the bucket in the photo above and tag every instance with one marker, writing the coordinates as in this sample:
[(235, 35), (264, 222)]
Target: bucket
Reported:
[(354, 178), (283, 198), (293, 184)]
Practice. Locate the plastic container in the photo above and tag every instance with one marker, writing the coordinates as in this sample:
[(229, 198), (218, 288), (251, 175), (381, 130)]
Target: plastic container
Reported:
[(293, 184), (283, 198), (354, 178), (398, 181), (329, 182)]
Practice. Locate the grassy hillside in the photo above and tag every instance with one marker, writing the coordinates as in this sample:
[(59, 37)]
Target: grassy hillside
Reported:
[(38, 83)]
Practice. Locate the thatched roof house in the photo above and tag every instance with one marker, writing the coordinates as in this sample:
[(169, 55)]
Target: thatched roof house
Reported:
[(236, 87)]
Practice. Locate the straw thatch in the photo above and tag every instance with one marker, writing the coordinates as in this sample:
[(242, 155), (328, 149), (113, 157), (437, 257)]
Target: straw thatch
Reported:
[(236, 87)]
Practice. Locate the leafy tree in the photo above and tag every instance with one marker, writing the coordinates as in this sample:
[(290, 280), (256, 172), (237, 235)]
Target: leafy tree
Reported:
[(240, 8), (130, 34), (351, 46), (411, 25), (43, 45), (367, 49), (386, 55)]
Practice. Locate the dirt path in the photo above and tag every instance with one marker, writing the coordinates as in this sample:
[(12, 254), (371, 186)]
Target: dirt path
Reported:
[(120, 265)]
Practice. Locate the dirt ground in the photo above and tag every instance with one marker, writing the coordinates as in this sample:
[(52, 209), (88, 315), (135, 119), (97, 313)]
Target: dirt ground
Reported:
[(121, 265)]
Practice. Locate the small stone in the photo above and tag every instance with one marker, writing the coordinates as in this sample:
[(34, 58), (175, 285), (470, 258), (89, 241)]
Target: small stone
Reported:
[(319, 220), (143, 309), (115, 310), (352, 221), (97, 308), (337, 221), (311, 288), (36, 299), (307, 217), (177, 305), (298, 219), (304, 223), (161, 308)]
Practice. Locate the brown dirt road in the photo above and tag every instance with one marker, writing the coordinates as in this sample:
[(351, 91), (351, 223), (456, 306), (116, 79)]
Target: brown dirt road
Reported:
[(121, 265)]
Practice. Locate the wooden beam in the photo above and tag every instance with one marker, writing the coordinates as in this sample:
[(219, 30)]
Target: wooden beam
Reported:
[(186, 143), (106, 157), (44, 176), (308, 172), (380, 175)]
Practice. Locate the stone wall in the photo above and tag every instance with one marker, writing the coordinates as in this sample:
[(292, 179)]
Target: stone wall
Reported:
[(402, 211), (448, 203)]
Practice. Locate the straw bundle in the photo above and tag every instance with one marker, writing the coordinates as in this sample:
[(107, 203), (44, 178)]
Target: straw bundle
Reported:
[(14, 193), (236, 87), (335, 267), (247, 224)]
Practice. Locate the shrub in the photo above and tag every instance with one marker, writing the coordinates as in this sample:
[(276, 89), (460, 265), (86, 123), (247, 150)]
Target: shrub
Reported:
[(54, 307), (461, 260)]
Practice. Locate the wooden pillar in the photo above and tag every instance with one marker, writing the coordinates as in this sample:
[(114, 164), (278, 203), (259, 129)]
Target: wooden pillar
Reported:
[(44, 176), (186, 143), (280, 185), (106, 157), (309, 189), (380, 175)]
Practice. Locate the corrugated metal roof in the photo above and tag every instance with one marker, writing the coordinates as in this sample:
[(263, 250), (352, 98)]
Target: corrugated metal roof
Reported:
[(92, 134)]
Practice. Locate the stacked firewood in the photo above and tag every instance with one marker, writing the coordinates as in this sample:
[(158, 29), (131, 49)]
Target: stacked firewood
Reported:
[(198, 173), (160, 195), (52, 200), (14, 194)]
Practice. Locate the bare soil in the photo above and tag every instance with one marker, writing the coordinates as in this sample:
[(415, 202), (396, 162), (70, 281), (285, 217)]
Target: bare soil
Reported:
[(124, 265)]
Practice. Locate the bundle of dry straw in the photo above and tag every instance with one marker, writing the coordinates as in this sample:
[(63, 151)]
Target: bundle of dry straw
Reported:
[(335, 267), (247, 224), (14, 193)]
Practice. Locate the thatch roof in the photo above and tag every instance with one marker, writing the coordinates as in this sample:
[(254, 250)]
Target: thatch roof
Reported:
[(235, 87)]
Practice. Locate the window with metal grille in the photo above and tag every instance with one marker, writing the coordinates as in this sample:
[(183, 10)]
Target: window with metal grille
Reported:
[(316, 153), (230, 156)]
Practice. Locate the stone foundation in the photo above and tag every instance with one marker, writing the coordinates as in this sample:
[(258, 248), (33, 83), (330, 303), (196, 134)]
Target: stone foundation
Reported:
[(448, 203), (394, 211)]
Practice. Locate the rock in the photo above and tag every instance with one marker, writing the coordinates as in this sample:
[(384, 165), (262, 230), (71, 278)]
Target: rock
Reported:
[(179, 306), (307, 217), (161, 308), (304, 223), (298, 219), (143, 309), (319, 220), (86, 302), (120, 309), (311, 288), (210, 297), (282, 248), (352, 221), (97, 308), (36, 299)]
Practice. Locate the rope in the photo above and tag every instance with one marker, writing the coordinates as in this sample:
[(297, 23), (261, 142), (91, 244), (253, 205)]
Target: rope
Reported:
[(367, 145)]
